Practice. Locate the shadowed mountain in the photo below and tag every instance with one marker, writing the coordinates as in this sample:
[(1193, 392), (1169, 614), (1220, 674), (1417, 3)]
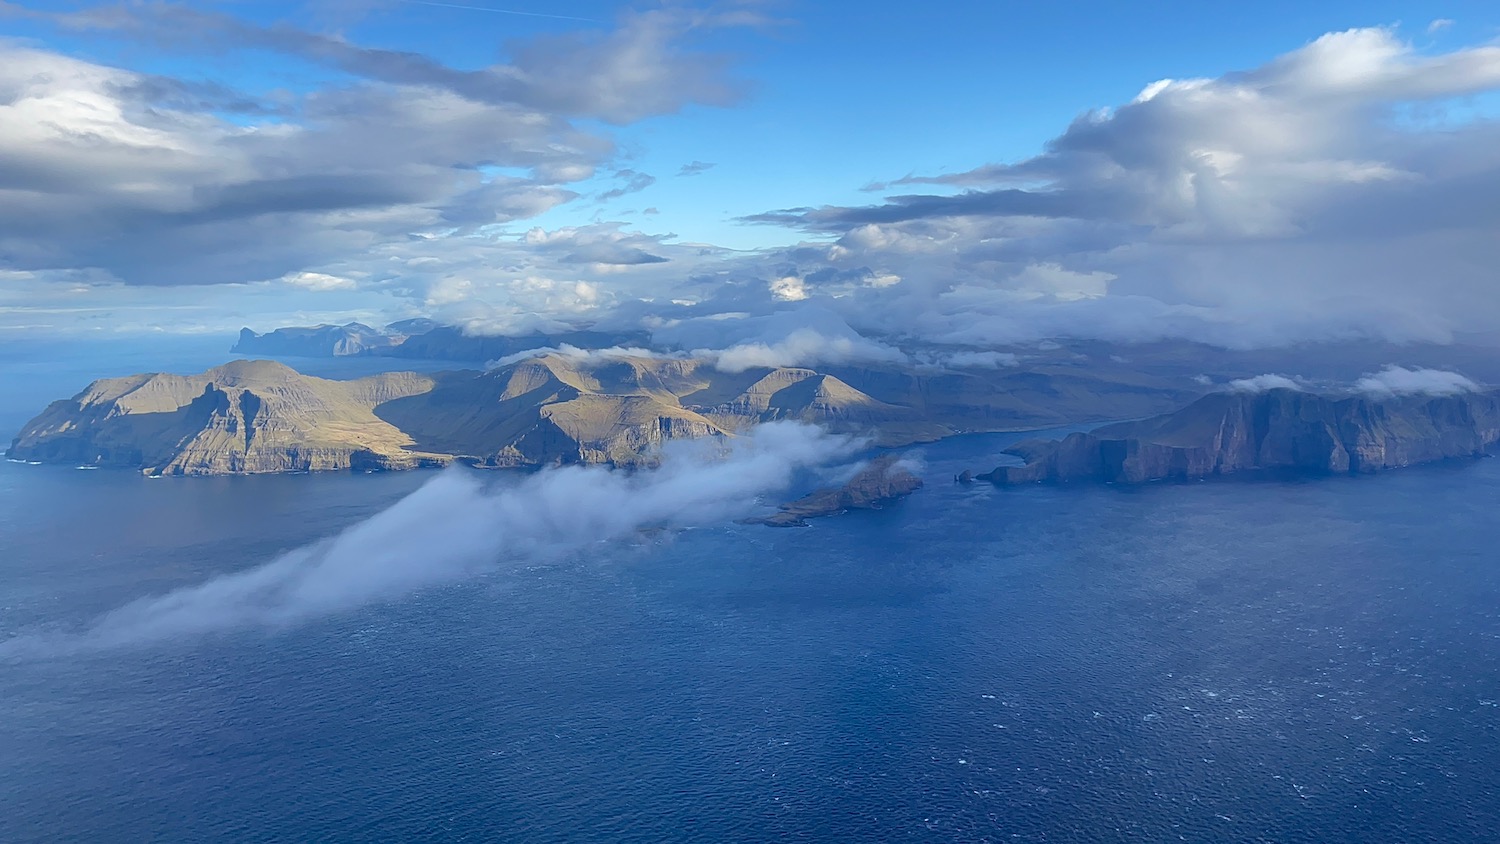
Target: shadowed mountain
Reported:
[(1277, 430), (318, 341)]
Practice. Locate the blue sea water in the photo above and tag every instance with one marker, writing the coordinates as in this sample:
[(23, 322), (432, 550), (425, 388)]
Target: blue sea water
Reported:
[(1310, 661)]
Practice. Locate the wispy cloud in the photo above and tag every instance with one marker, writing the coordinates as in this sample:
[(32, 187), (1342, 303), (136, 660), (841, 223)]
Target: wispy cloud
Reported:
[(631, 182), (695, 167), (458, 526), (496, 11)]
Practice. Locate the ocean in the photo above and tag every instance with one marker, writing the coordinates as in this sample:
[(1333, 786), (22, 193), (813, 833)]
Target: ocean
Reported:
[(1257, 661)]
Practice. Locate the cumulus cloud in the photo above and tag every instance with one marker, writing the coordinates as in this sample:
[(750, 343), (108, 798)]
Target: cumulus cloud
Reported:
[(458, 526), (1332, 193), (800, 336), (1400, 381), (801, 347), (1264, 383), (1322, 195), (788, 289), (319, 281)]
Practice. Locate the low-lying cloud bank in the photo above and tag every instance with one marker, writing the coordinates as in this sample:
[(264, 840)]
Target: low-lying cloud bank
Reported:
[(797, 338), (802, 347), (1400, 381), (1390, 382), (1264, 383), (806, 335), (455, 527), (575, 353)]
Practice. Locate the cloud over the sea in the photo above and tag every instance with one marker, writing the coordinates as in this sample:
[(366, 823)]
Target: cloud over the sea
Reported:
[(458, 526)]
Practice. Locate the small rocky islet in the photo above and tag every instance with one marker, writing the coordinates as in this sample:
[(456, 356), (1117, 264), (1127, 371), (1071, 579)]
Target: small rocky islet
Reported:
[(886, 479)]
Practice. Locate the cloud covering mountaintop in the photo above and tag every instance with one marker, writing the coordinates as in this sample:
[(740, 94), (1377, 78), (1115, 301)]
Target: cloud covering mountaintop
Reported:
[(1342, 190)]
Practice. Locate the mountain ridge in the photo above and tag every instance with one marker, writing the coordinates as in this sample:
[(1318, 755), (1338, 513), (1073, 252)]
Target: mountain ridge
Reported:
[(261, 416)]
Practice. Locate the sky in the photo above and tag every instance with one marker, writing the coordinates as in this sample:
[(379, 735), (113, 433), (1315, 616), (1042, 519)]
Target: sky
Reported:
[(956, 173)]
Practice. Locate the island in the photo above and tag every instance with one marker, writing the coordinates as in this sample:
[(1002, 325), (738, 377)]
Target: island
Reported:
[(416, 339), (884, 480), (256, 416), (1278, 430), (346, 340)]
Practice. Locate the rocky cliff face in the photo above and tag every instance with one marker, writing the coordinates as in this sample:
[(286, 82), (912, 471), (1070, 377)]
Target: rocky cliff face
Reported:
[(241, 418), (1278, 430)]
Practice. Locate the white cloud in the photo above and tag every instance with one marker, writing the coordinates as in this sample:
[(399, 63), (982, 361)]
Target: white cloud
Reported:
[(802, 347), (318, 281), (1329, 194), (1400, 381), (459, 526), (1051, 279), (803, 335), (1264, 383), (565, 350), (788, 289), (1334, 192)]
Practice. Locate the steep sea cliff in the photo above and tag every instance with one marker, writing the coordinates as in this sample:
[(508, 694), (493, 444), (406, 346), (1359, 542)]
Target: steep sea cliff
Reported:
[(1275, 430)]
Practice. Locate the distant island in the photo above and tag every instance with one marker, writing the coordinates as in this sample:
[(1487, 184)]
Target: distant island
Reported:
[(592, 408), (415, 339), (1278, 430)]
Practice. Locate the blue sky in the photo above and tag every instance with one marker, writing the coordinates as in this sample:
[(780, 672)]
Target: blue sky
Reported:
[(828, 98), (838, 94)]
